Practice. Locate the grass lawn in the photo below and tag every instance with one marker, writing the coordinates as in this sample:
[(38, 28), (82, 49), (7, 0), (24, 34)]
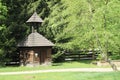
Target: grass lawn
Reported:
[(65, 76), (81, 64)]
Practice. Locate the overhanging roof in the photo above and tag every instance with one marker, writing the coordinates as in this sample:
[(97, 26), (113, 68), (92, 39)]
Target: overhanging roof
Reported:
[(35, 40)]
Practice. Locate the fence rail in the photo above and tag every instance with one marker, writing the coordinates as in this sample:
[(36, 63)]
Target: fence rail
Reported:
[(71, 56)]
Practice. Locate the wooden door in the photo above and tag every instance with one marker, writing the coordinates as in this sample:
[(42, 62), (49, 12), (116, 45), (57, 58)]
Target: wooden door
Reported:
[(42, 56)]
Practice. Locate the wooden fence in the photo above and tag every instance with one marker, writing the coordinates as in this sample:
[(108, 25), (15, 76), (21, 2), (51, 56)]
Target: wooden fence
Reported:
[(80, 56)]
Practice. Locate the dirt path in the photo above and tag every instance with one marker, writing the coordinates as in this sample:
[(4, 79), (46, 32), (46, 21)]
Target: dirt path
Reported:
[(61, 70)]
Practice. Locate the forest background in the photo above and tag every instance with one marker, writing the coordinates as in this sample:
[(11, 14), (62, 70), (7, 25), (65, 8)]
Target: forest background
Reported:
[(72, 25)]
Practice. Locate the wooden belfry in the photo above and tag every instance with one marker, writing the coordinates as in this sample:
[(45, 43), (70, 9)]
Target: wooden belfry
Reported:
[(35, 49)]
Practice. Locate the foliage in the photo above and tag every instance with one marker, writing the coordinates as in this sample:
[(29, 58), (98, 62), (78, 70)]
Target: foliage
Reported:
[(70, 24), (85, 24), (15, 29), (3, 13)]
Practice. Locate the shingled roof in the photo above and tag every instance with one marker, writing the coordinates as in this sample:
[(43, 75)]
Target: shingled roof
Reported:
[(35, 18), (35, 40)]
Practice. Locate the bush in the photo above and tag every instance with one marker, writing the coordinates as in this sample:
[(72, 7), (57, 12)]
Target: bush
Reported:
[(58, 57)]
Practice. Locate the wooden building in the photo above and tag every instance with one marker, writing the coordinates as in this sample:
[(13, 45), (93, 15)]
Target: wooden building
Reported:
[(35, 49)]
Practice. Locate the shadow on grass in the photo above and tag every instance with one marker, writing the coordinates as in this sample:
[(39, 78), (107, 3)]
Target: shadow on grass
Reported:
[(80, 61), (67, 63), (57, 64), (94, 62), (85, 61), (6, 66)]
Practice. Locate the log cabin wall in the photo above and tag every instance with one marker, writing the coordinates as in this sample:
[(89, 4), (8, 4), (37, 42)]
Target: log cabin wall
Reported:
[(48, 57), (35, 55)]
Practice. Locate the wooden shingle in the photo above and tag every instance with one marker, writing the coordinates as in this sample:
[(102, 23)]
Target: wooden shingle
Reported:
[(35, 40)]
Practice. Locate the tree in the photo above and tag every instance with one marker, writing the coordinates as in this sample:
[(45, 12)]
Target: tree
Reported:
[(18, 12), (3, 13), (108, 40), (71, 24), (85, 24)]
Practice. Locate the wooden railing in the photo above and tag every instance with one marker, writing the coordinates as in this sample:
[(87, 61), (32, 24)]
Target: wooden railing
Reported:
[(80, 56)]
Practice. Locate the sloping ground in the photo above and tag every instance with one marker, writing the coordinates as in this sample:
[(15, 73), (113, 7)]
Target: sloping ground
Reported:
[(63, 65), (65, 76), (61, 70)]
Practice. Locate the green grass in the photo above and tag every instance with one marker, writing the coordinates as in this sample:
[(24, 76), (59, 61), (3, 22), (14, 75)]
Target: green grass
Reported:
[(81, 64), (65, 76)]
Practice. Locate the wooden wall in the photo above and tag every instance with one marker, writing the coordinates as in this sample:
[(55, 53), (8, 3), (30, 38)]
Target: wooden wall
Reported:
[(35, 55)]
